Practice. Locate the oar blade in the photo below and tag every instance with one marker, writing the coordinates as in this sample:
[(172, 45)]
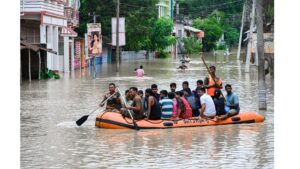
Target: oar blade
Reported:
[(82, 120)]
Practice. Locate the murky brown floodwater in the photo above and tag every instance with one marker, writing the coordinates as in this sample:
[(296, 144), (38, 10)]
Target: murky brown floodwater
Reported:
[(51, 139)]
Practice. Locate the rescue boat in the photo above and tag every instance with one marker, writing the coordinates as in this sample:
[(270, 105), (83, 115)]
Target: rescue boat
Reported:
[(113, 120)]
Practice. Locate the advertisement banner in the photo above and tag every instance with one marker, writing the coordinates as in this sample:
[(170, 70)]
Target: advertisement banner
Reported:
[(94, 39), (122, 41)]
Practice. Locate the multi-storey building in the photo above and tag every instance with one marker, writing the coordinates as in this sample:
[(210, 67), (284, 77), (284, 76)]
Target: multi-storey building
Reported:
[(51, 23)]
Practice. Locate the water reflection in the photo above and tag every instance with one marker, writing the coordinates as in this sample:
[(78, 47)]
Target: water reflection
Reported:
[(50, 138)]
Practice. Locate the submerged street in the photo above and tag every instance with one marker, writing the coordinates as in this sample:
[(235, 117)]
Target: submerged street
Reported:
[(51, 139)]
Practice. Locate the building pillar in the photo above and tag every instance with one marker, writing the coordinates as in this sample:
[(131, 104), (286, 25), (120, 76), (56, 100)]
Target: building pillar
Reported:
[(72, 54), (158, 11), (49, 46), (55, 48), (43, 34), (66, 54)]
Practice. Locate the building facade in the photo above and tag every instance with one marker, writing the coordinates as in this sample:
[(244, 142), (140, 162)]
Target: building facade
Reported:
[(165, 8), (51, 23)]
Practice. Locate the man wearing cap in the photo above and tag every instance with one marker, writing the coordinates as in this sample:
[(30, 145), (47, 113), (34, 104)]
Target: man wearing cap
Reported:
[(209, 82)]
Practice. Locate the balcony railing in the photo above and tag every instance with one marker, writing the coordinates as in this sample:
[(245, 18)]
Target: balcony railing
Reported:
[(41, 5)]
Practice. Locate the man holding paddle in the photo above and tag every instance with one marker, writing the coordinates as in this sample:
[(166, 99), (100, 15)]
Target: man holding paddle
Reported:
[(112, 98), (212, 82), (113, 104)]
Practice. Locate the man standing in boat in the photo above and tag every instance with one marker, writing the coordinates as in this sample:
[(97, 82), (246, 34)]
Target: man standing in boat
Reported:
[(137, 106), (209, 82), (114, 102)]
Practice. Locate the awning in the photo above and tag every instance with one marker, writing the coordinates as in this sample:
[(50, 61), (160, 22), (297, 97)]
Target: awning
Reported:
[(189, 28), (34, 47), (26, 45), (68, 32)]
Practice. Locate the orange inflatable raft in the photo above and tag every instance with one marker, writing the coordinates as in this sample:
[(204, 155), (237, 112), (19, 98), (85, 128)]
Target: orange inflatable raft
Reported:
[(112, 120)]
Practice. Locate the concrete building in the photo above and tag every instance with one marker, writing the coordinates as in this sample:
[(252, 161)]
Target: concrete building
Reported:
[(51, 23), (165, 8)]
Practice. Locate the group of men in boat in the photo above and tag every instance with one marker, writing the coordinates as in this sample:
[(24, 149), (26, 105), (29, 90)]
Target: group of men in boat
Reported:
[(206, 101)]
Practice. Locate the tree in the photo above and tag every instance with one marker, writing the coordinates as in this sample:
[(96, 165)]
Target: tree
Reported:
[(212, 29), (192, 45), (139, 19), (231, 35), (161, 34)]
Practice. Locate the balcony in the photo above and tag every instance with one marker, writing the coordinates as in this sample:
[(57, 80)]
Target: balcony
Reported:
[(37, 6), (72, 16)]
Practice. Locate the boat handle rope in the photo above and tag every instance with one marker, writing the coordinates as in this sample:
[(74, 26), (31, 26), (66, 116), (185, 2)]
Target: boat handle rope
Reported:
[(155, 123)]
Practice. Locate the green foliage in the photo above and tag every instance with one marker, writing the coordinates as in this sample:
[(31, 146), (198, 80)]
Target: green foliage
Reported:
[(221, 47), (161, 34), (269, 13), (48, 74), (231, 36), (139, 19), (192, 45), (196, 8), (212, 29), (163, 54)]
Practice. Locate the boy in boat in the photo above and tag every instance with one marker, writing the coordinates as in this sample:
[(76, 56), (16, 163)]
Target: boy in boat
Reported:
[(144, 101), (128, 98), (219, 103), (208, 109), (173, 87), (232, 101), (197, 93), (192, 101), (137, 106), (209, 82), (183, 108), (166, 105), (114, 103)]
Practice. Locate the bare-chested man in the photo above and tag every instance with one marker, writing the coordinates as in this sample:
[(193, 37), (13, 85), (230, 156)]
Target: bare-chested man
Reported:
[(137, 106)]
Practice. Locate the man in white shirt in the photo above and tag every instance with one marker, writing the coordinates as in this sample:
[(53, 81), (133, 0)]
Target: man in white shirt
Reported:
[(208, 109)]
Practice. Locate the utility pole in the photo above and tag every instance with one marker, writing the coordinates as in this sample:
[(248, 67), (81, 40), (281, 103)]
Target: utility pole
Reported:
[(117, 37), (249, 46), (262, 95), (177, 19), (241, 32), (94, 16)]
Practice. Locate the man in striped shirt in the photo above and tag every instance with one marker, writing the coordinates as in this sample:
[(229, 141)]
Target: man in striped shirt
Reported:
[(166, 105)]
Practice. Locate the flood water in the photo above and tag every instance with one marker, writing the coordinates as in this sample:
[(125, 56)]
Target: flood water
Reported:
[(51, 139)]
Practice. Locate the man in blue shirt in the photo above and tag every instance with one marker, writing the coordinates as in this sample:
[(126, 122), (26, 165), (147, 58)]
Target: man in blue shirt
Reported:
[(166, 105), (232, 101)]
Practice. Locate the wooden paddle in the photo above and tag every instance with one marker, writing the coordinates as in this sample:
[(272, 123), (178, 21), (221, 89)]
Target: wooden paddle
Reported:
[(80, 121), (211, 75), (134, 123)]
